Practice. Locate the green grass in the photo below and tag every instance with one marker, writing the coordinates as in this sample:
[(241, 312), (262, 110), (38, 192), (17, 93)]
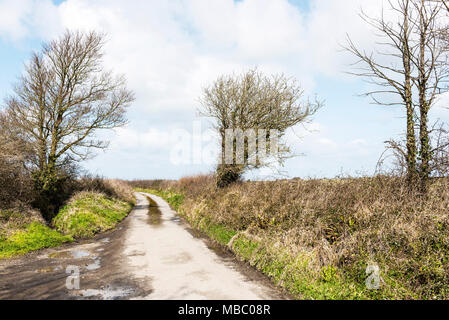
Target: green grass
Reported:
[(34, 237), (85, 215), (220, 233), (295, 275), (90, 213), (174, 199)]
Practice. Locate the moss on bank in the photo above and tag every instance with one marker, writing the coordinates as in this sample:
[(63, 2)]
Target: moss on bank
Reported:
[(33, 237), (89, 213)]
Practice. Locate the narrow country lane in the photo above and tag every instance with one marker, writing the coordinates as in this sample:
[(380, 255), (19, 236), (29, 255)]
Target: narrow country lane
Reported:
[(153, 254)]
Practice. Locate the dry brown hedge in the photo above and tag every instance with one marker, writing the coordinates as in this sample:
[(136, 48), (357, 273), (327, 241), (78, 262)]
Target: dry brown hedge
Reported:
[(346, 223)]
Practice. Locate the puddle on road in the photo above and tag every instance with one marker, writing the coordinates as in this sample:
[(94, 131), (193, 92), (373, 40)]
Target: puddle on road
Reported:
[(154, 214), (107, 293), (78, 254), (94, 266), (75, 254), (61, 255), (48, 269)]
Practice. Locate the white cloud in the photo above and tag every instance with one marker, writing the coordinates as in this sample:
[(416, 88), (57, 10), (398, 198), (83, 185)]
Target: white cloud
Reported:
[(25, 18), (152, 139), (12, 14), (170, 50)]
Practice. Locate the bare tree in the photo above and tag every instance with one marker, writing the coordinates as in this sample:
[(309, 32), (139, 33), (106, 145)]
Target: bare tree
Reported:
[(64, 97), (395, 80), (433, 72), (250, 104), (409, 62)]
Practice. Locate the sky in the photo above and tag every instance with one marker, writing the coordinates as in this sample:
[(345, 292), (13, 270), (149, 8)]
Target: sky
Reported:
[(170, 50)]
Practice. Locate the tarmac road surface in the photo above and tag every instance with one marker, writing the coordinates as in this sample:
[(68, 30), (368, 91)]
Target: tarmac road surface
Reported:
[(152, 254)]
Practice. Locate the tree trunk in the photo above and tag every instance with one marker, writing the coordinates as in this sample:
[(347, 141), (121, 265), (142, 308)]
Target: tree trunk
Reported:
[(425, 151), (411, 138)]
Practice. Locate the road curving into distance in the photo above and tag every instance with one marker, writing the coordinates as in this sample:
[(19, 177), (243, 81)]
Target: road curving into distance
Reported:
[(153, 254)]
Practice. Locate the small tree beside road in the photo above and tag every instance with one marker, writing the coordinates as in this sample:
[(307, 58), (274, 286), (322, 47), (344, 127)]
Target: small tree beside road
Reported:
[(248, 110)]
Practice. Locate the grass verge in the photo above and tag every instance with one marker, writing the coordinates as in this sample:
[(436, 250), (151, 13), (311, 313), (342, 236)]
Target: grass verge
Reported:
[(33, 237), (89, 213), (23, 229), (295, 274)]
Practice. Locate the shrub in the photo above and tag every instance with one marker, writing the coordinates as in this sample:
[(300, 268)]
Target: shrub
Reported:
[(52, 190), (18, 218), (152, 184), (112, 188), (16, 185)]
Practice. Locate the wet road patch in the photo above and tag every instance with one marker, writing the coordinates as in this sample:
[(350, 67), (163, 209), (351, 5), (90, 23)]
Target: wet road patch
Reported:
[(61, 255), (88, 270), (154, 213), (107, 293)]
